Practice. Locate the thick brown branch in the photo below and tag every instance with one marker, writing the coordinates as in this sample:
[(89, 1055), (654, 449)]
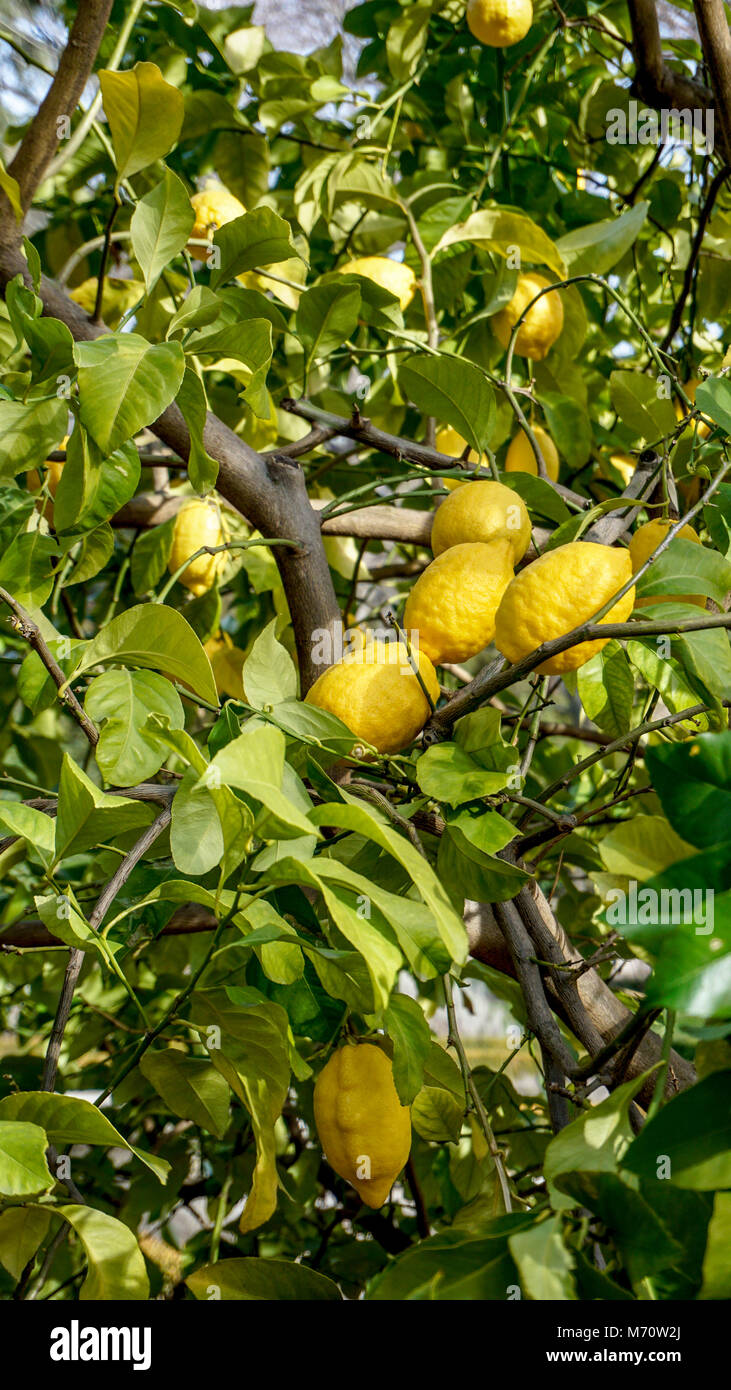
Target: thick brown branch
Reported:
[(655, 82), (62, 99), (716, 44)]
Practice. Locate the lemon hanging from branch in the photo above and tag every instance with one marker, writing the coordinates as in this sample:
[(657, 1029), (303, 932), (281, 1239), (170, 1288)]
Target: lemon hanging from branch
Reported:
[(542, 324), (499, 23), (376, 692), (197, 524), (364, 1129)]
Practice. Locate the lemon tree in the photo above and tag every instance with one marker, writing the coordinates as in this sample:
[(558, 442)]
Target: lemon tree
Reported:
[(366, 553)]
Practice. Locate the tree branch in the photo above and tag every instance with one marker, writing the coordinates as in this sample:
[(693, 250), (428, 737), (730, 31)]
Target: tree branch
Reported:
[(76, 957), (715, 40), (75, 66), (656, 83), (24, 625)]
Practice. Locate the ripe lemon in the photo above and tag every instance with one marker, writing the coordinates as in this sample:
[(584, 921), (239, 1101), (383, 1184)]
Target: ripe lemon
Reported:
[(646, 539), (364, 1129), (623, 464), (453, 603), (449, 441), (227, 662), (690, 389), (375, 692), (542, 324), (197, 523), (213, 208), (54, 469), (499, 23), (482, 511), (521, 459), (394, 276), (560, 590)]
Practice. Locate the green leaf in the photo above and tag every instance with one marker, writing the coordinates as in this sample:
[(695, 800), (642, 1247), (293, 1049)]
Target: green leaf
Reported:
[(326, 316), (26, 568), (689, 1140), (635, 398), (606, 689), (202, 469), (447, 773), (716, 1266), (693, 782), (23, 1167), (497, 229), (687, 568), (87, 816), (21, 1231), (253, 1057), (96, 550), (455, 1265), (191, 1088), (150, 556), (72, 1120), (256, 239), (196, 837), (540, 496), (713, 397), (646, 1247), (469, 872), (569, 426), (93, 487), (11, 189), (123, 700), (406, 39), (262, 1280), (254, 762), (161, 224), (157, 637), (124, 384), (352, 816), (454, 390), (269, 672), (116, 1267), (544, 1264), (596, 1142), (437, 1115), (145, 115), (598, 246), (409, 1032), (640, 847), (28, 433)]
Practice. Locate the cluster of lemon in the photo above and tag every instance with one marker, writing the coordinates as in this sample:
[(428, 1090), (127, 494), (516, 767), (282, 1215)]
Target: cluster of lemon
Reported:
[(468, 597)]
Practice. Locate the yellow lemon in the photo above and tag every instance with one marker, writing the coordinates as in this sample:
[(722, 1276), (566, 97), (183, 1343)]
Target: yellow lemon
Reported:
[(646, 539), (542, 324), (374, 690), (499, 23), (482, 511), (560, 590), (453, 603), (690, 389), (227, 662), (521, 459), (54, 469), (449, 441), (364, 1129), (213, 208), (197, 523), (394, 276), (625, 465)]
